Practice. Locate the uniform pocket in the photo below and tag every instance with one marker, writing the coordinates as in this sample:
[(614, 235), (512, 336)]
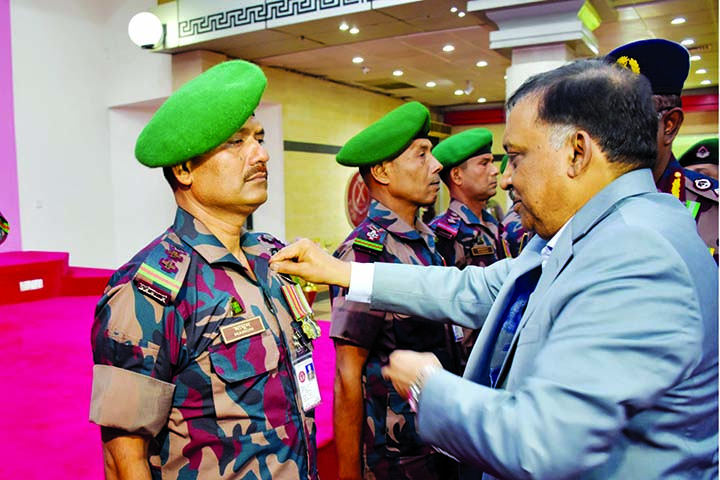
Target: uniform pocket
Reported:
[(401, 434), (249, 386)]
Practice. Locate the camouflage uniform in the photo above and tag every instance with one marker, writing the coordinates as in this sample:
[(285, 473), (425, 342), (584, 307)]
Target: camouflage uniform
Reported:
[(463, 239), (391, 445), (218, 404), (699, 193), (514, 237)]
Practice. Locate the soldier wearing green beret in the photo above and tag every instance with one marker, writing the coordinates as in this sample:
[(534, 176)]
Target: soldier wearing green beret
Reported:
[(702, 157), (374, 427), (466, 233), (195, 343), (666, 65)]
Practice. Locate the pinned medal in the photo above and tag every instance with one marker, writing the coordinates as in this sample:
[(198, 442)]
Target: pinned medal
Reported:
[(301, 310)]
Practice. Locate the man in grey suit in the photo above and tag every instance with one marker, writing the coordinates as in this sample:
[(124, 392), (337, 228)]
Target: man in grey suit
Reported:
[(609, 369)]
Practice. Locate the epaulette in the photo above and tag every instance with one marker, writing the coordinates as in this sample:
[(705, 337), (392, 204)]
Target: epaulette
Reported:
[(162, 274), (370, 239), (446, 225), (701, 185)]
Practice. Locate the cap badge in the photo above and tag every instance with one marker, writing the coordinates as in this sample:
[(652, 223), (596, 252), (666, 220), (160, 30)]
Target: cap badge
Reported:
[(702, 152), (703, 184), (629, 63)]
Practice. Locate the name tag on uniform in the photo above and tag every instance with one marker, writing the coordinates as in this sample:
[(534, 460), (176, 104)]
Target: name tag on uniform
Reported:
[(307, 383), (243, 329), (479, 250)]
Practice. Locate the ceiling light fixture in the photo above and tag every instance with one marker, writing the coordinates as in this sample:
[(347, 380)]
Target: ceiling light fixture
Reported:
[(431, 84), (459, 92), (705, 82), (481, 63), (461, 14), (358, 60), (678, 20), (453, 9), (344, 26), (701, 71), (695, 58), (688, 41), (398, 73), (482, 100), (448, 48), (354, 31)]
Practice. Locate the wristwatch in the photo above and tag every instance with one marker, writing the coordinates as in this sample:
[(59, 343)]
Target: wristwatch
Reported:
[(416, 387)]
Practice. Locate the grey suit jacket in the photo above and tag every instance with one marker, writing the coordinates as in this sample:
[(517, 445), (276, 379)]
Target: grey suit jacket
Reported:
[(613, 370)]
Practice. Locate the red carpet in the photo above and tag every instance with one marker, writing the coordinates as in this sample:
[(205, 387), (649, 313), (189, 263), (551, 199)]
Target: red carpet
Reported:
[(44, 427)]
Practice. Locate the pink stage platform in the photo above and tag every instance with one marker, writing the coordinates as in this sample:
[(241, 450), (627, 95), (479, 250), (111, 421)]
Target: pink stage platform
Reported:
[(46, 311)]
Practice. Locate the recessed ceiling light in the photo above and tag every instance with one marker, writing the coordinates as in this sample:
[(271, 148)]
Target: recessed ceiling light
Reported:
[(688, 41), (398, 73), (448, 48), (453, 9), (482, 100), (430, 84), (701, 71), (695, 58), (354, 31), (504, 77), (461, 14), (481, 63), (344, 26), (358, 60), (678, 20), (459, 92), (705, 82)]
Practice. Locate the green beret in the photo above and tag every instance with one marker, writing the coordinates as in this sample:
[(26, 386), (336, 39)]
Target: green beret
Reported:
[(705, 151), (387, 138), (503, 163), (455, 149), (202, 114)]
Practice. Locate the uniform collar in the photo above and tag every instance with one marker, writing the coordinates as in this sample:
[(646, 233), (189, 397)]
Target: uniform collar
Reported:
[(390, 221), (194, 233), (468, 216)]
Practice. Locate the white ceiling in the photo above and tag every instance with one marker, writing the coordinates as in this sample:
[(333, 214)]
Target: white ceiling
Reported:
[(410, 38)]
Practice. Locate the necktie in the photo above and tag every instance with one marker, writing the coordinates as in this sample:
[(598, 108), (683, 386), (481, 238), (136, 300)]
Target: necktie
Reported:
[(524, 287)]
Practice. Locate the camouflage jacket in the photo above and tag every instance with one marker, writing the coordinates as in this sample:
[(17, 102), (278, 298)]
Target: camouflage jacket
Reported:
[(193, 352), (463, 239), (390, 440), (699, 193), (514, 237)]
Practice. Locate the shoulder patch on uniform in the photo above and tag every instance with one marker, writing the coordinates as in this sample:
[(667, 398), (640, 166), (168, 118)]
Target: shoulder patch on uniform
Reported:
[(162, 274), (446, 225), (370, 239), (703, 187)]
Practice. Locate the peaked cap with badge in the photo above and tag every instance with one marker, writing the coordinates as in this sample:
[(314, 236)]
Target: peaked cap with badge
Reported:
[(704, 151), (463, 146), (202, 114), (666, 64), (387, 138)]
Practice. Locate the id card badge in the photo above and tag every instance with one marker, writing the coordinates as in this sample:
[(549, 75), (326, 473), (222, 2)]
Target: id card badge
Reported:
[(458, 332), (307, 383)]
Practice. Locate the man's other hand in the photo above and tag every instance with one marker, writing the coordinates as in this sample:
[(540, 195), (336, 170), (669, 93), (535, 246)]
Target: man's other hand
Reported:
[(307, 260)]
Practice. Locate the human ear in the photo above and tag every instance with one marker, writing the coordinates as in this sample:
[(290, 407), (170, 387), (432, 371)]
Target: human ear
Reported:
[(670, 124), (581, 154), (183, 173), (380, 173)]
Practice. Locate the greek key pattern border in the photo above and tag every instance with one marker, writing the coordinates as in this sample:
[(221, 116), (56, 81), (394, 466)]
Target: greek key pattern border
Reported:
[(257, 13)]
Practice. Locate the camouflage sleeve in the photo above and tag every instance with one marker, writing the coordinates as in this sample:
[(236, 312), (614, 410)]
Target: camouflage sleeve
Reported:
[(353, 322), (132, 387)]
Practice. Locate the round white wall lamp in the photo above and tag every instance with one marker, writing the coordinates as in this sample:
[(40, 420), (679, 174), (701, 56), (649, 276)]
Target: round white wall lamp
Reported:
[(146, 30)]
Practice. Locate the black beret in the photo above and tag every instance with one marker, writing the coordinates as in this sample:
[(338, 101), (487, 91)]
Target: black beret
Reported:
[(666, 64), (704, 151)]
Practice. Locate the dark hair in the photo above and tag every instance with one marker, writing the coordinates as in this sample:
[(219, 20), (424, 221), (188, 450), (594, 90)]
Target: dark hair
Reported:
[(612, 104)]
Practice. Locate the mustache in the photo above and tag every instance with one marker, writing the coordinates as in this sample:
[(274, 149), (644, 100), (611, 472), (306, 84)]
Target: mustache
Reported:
[(255, 170)]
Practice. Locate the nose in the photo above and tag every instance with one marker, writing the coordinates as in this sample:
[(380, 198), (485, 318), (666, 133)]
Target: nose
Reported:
[(506, 179), (261, 154), (434, 164), (494, 170)]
